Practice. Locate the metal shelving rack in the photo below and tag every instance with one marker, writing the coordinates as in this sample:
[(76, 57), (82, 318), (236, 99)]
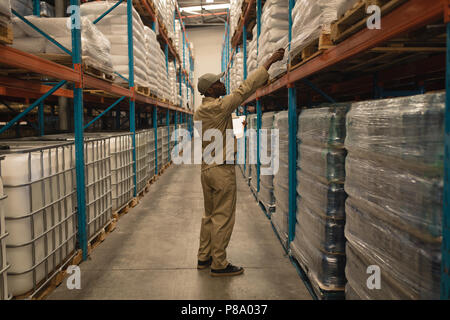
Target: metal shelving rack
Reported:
[(81, 81), (409, 16)]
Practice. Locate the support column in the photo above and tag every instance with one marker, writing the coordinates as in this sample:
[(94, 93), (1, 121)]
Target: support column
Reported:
[(292, 118), (445, 266), (79, 138)]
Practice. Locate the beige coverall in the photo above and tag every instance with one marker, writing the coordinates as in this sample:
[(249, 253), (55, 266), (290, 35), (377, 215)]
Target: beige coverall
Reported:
[(219, 180)]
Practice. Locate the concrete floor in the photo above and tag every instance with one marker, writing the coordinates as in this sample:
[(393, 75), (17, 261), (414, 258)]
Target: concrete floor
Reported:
[(152, 254)]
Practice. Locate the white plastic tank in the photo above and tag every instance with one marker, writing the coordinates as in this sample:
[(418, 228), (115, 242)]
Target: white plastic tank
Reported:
[(143, 158), (122, 174), (151, 152), (4, 266), (160, 147), (40, 210), (97, 164)]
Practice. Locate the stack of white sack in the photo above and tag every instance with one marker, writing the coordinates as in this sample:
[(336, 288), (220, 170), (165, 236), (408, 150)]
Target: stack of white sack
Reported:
[(252, 62), (237, 71), (165, 9), (178, 40), (95, 46), (274, 33), (235, 15), (115, 27), (312, 17), (151, 44), (174, 86), (184, 95), (5, 12), (162, 74), (157, 74)]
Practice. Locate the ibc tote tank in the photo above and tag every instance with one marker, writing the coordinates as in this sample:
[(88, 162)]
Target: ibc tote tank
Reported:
[(4, 266), (40, 210)]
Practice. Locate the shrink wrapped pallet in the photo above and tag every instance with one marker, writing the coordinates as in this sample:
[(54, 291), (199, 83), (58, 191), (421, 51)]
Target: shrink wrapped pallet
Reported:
[(47, 10), (280, 217), (96, 48), (265, 194), (253, 152), (409, 266), (319, 243), (395, 187)]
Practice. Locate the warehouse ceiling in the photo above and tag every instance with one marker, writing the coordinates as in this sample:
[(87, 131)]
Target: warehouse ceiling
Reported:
[(202, 13)]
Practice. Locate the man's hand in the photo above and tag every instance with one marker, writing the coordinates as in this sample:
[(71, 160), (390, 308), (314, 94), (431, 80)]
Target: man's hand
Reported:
[(277, 56), (244, 123)]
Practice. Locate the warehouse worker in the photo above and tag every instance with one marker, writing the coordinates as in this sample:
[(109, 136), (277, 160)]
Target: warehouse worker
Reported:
[(219, 180)]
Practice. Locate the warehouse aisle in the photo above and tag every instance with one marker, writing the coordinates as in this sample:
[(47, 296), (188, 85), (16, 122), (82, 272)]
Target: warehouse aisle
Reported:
[(152, 253)]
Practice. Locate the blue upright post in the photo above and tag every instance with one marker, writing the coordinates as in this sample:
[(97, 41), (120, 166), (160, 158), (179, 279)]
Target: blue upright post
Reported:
[(155, 128), (37, 12), (258, 142), (131, 85), (168, 129), (37, 8), (445, 274), (292, 118), (244, 53), (78, 126), (176, 135)]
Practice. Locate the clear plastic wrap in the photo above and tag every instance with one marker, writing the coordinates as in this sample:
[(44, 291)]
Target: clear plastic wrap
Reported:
[(327, 200), (410, 267), (281, 179), (323, 126), (325, 270), (324, 233), (411, 201), (326, 164), (408, 131)]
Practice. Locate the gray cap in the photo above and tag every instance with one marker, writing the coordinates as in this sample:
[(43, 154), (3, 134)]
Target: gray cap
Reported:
[(207, 80)]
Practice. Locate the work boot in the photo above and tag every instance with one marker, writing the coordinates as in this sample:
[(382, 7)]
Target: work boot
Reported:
[(204, 264), (230, 270)]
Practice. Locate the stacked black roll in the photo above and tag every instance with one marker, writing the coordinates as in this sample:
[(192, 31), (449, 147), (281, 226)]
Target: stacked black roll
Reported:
[(394, 209), (280, 218), (319, 243)]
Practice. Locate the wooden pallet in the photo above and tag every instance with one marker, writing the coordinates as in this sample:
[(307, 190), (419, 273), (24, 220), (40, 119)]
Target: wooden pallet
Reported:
[(312, 50), (66, 60), (355, 19), (143, 91), (124, 210), (97, 73), (57, 278), (6, 34)]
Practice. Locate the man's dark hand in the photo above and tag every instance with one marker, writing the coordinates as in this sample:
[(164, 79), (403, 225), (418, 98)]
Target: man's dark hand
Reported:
[(277, 56)]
